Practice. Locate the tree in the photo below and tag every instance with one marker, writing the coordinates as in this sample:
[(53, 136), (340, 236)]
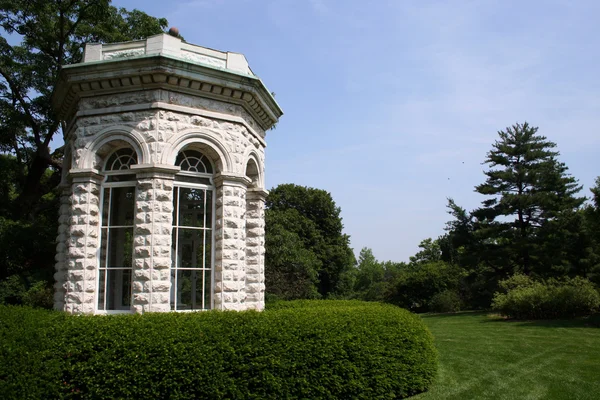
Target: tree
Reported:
[(326, 241), (291, 268), (529, 188), (39, 36), (591, 227), (430, 252), (52, 33), (369, 281), (419, 286)]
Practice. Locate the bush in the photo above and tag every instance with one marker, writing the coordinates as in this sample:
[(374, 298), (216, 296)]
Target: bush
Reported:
[(316, 350), (415, 286), (524, 298), (446, 301)]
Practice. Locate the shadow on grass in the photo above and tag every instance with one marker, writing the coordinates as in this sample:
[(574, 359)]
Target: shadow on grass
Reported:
[(455, 314), (592, 321)]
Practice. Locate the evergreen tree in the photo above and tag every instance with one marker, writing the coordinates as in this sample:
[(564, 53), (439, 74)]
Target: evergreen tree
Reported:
[(529, 188)]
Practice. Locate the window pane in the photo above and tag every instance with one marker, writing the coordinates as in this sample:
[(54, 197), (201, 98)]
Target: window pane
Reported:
[(101, 278), (122, 206), (209, 202), (120, 247), (207, 249), (189, 248), (207, 288), (105, 206), (118, 288), (189, 290), (191, 207), (103, 244), (185, 285), (175, 205)]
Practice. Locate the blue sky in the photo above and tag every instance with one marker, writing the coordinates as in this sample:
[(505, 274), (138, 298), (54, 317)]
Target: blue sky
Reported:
[(391, 106)]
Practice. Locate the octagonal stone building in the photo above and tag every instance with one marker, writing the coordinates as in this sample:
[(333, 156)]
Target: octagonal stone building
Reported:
[(162, 205)]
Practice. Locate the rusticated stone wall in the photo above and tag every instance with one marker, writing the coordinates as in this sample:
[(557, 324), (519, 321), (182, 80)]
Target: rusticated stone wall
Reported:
[(230, 234), (160, 96), (255, 249), (152, 243), (60, 277), (81, 254), (223, 132)]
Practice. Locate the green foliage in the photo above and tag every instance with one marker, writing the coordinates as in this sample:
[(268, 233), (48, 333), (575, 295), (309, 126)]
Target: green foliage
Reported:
[(316, 350), (417, 285), (369, 282), (447, 301), (314, 227), (430, 252), (291, 270), (52, 33), (532, 221), (524, 298), (528, 187)]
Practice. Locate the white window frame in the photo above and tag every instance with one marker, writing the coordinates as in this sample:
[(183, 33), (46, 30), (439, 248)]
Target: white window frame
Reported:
[(111, 185), (175, 262)]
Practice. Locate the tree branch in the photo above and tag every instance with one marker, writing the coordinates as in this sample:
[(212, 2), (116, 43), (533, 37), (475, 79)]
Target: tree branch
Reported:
[(15, 91)]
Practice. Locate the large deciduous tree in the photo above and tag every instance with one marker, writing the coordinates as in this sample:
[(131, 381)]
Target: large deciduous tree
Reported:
[(39, 37), (317, 223), (528, 188)]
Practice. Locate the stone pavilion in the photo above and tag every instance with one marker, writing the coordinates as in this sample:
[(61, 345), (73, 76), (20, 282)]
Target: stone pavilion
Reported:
[(162, 204)]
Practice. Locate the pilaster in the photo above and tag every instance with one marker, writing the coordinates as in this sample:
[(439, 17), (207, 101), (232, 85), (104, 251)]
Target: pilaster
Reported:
[(152, 237), (255, 248), (81, 252), (62, 241), (230, 237)]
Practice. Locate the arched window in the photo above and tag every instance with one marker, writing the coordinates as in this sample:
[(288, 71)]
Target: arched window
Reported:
[(116, 234), (193, 238)]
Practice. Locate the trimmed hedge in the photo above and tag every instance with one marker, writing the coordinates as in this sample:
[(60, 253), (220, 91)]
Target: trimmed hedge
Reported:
[(308, 349), (524, 298)]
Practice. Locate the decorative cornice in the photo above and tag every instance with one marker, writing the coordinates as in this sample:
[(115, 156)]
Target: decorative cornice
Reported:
[(79, 175), (160, 71), (231, 179), (163, 171), (257, 193)]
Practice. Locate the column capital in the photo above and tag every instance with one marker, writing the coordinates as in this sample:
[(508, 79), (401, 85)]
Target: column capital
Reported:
[(82, 175), (221, 179), (256, 193), (153, 170)]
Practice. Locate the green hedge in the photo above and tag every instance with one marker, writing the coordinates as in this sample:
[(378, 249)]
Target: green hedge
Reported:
[(312, 350), (524, 298)]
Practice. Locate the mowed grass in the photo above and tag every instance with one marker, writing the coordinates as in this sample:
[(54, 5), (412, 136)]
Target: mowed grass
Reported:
[(486, 357)]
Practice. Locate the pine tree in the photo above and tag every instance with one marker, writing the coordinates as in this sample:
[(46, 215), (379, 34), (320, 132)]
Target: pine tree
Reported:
[(528, 188)]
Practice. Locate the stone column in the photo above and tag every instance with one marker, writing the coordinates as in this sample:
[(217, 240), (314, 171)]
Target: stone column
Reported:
[(152, 237), (255, 248), (230, 238), (62, 241), (83, 233)]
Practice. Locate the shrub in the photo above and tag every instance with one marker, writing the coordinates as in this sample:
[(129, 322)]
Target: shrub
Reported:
[(416, 285), (319, 349), (446, 301), (554, 298)]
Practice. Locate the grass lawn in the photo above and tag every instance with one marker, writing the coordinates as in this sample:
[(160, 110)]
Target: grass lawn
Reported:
[(483, 357)]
